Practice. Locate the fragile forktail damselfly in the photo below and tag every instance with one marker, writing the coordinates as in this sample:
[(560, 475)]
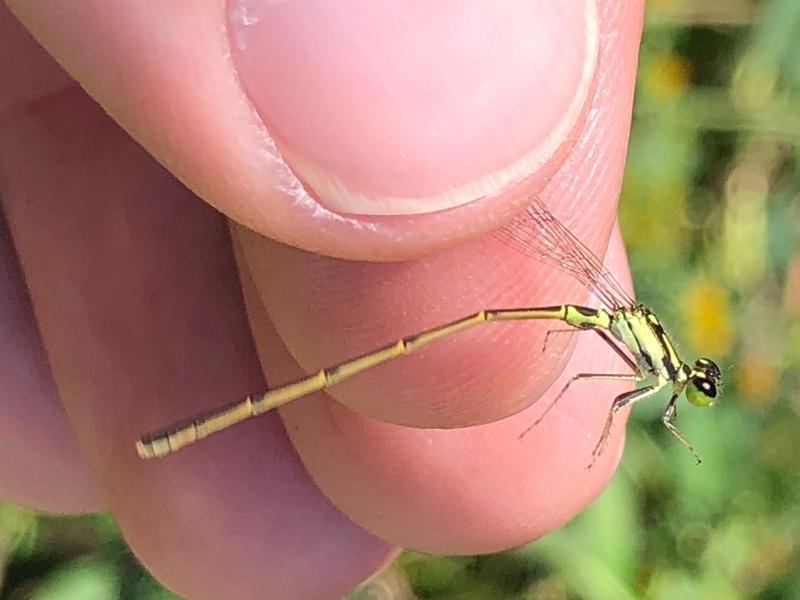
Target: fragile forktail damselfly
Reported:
[(620, 322)]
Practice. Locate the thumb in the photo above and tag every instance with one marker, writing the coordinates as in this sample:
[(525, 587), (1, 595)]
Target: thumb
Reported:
[(412, 108), (310, 122)]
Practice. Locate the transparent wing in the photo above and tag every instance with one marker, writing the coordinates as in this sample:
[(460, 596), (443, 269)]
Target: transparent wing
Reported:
[(538, 234)]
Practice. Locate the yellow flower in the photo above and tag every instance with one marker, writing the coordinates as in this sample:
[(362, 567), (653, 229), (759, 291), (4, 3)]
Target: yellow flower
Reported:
[(665, 76), (706, 310)]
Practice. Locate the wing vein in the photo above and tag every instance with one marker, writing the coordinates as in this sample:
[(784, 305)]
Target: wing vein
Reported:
[(539, 234)]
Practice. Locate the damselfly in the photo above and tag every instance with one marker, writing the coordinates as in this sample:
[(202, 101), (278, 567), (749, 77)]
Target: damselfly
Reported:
[(620, 322)]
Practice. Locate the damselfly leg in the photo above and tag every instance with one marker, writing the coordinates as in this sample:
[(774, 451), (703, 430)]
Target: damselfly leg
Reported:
[(668, 419), (620, 402)]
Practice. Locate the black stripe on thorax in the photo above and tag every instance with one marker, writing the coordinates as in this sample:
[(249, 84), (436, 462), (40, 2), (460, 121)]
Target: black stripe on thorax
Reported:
[(648, 359), (666, 344)]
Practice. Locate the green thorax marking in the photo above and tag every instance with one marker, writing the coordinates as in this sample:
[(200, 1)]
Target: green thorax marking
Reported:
[(642, 333), (586, 318)]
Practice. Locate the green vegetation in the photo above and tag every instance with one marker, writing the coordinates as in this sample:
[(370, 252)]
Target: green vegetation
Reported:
[(716, 140)]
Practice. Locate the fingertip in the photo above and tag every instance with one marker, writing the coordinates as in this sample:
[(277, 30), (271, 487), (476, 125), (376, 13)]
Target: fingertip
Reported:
[(417, 107), (459, 491), (468, 490)]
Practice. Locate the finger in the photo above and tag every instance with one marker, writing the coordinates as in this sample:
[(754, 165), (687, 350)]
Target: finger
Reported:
[(40, 465), (327, 310), (460, 491), (311, 122), (137, 298), (28, 72)]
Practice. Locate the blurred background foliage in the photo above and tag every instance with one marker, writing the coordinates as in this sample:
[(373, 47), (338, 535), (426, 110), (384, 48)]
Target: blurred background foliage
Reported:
[(710, 214)]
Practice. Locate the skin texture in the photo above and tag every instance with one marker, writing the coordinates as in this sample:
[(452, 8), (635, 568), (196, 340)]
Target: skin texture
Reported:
[(122, 305)]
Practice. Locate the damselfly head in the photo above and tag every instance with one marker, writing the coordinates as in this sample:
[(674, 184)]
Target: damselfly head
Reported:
[(704, 379)]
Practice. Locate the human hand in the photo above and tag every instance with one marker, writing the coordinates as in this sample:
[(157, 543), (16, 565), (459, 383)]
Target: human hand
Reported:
[(136, 292)]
